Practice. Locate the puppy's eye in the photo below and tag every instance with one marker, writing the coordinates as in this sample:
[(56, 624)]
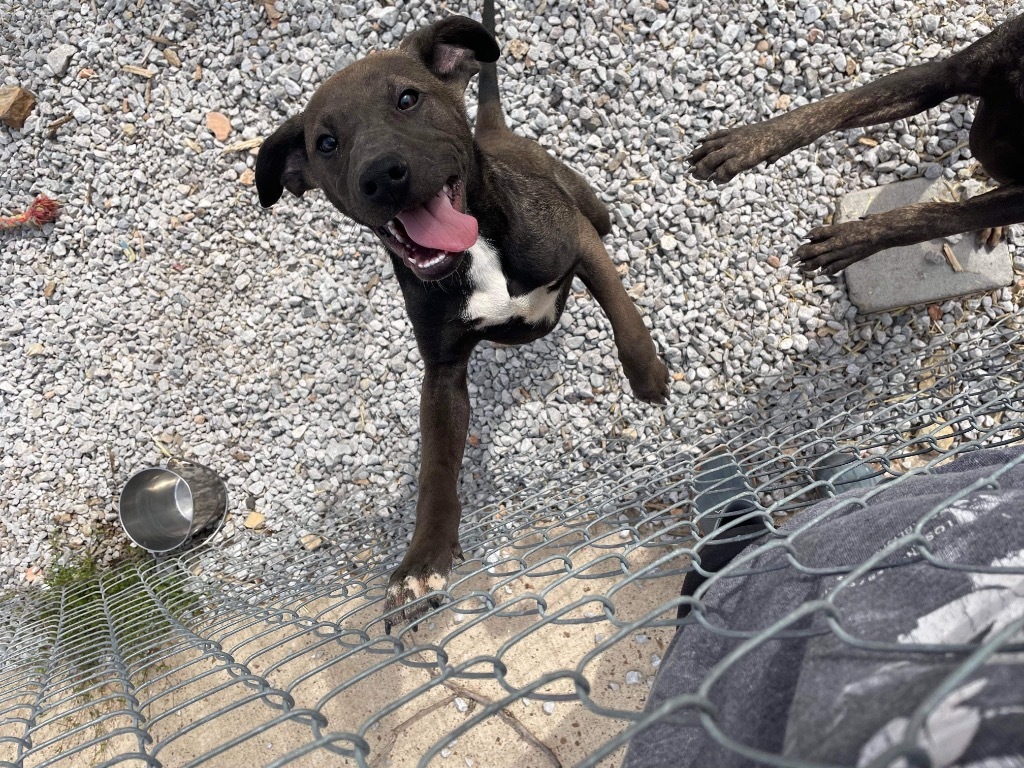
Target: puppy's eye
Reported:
[(408, 99), (326, 144)]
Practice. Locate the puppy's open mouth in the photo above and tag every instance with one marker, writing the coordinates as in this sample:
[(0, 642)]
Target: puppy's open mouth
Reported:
[(432, 237)]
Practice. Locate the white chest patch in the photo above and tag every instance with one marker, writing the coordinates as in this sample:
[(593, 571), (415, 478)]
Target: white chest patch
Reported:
[(490, 302)]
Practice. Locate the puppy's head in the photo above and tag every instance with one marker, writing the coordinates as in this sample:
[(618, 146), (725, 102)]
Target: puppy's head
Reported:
[(388, 141)]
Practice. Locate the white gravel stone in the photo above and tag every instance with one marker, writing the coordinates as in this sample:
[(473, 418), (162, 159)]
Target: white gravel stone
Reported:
[(60, 57)]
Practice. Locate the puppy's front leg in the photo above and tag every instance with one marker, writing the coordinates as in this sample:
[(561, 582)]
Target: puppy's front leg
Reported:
[(646, 372), (444, 425)]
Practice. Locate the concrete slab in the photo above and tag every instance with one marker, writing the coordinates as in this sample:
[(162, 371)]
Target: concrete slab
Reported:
[(918, 274)]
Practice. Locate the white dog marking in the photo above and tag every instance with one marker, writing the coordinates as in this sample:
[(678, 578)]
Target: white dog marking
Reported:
[(418, 586), (490, 302)]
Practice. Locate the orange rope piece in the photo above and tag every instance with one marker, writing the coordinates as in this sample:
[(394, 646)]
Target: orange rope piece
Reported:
[(41, 211)]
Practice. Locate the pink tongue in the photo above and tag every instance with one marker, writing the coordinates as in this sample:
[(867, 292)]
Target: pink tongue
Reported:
[(439, 226)]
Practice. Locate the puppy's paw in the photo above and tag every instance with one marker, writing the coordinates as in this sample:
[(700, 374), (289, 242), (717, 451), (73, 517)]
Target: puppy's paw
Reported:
[(649, 379), (413, 580)]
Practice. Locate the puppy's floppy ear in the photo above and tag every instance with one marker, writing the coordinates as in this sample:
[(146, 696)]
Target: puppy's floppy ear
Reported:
[(453, 48), (281, 163)]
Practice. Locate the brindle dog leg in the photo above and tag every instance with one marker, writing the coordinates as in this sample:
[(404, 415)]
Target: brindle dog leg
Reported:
[(722, 155), (835, 247)]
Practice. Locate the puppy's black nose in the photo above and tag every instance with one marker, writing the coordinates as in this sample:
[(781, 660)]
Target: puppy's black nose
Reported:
[(385, 180)]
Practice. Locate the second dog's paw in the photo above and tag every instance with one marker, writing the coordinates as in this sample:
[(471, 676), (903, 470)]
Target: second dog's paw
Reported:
[(836, 247), (726, 153), (991, 237)]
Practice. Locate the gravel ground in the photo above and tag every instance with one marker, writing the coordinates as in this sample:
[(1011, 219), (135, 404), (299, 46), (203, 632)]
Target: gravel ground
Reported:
[(166, 311)]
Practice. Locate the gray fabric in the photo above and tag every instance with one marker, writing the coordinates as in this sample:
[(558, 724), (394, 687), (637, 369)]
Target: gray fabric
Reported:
[(819, 698)]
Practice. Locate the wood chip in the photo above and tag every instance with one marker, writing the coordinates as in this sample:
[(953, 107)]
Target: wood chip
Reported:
[(140, 71), (198, 74), (273, 15), (517, 48), (935, 312), (254, 520), (34, 350), (194, 146), (86, 73), (867, 141), (242, 146), (371, 284), (219, 125), (248, 177), (951, 258), (239, 455), (311, 542), (16, 105), (783, 101), (161, 40), (172, 57), (49, 289), (942, 434)]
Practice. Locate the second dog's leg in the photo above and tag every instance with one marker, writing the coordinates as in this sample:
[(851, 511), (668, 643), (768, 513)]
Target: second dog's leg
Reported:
[(722, 155), (647, 374), (444, 425), (838, 246)]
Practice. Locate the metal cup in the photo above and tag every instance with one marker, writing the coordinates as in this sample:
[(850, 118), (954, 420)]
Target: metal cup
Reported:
[(162, 508)]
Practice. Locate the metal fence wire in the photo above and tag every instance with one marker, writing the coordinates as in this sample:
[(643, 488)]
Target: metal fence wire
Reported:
[(545, 648)]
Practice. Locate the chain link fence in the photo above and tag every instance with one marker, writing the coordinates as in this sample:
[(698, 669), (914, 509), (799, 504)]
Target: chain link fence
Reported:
[(547, 645)]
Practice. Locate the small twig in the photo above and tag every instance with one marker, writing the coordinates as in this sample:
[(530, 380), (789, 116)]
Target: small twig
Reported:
[(52, 127), (152, 42), (951, 258), (384, 749), (142, 244), (163, 448), (949, 152), (514, 722)]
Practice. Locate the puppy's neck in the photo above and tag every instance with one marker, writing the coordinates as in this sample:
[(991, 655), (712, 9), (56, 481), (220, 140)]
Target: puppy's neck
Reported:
[(482, 198)]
